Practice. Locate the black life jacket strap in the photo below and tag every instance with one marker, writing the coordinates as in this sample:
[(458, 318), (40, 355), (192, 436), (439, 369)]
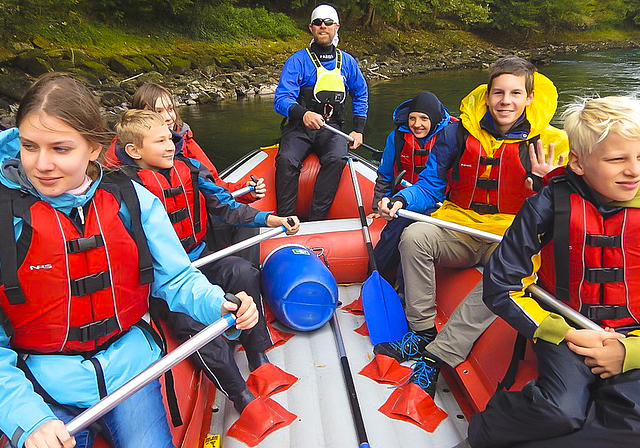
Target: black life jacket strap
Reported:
[(102, 384), (9, 249), (561, 238), (519, 349), (159, 337), (195, 172), (131, 200), (37, 387), (398, 139), (197, 224), (461, 143)]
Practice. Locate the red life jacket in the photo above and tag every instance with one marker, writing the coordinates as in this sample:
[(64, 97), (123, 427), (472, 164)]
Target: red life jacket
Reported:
[(410, 155), (503, 190), (593, 271), (182, 199), (67, 289)]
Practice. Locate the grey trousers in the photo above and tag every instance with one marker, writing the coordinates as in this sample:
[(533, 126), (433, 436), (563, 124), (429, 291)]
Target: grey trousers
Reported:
[(422, 246)]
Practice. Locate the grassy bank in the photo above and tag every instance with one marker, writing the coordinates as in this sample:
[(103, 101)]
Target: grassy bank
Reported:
[(102, 42)]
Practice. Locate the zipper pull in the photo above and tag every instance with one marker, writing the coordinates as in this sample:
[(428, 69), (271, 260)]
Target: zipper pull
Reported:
[(80, 214)]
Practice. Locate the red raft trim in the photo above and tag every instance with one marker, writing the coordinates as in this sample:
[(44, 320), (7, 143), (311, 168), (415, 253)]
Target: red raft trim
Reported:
[(269, 379), (386, 370), (260, 418), (411, 404)]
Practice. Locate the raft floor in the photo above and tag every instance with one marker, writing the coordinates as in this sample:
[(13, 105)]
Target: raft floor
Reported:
[(320, 399)]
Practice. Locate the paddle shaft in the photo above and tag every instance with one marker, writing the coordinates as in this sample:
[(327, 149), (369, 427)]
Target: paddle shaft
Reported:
[(154, 371), (242, 191), (349, 138), (540, 294), (363, 217), (239, 246), (351, 387)]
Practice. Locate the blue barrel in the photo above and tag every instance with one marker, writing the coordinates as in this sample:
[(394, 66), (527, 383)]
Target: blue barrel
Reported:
[(298, 287)]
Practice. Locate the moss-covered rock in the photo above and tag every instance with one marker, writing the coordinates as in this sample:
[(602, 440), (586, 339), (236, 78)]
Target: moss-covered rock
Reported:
[(13, 86), (143, 63), (123, 66), (62, 65), (224, 62), (113, 98), (160, 64), (74, 55), (86, 76), (34, 62), (151, 76), (178, 66), (40, 42), (97, 68)]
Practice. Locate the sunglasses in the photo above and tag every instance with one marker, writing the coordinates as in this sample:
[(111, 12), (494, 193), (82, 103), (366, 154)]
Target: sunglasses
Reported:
[(319, 22)]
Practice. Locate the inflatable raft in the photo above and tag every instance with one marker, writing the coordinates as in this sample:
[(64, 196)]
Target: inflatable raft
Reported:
[(319, 399)]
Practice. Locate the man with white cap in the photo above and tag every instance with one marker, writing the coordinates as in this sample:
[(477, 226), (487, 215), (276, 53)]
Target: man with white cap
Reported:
[(312, 91)]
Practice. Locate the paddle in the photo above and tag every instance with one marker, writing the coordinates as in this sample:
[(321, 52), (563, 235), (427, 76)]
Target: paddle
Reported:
[(377, 153), (540, 294), (242, 245), (154, 371), (351, 387), (383, 310), (181, 352)]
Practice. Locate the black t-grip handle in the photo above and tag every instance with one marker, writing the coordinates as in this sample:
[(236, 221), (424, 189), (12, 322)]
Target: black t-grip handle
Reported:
[(391, 203), (290, 221), (254, 178), (233, 299)]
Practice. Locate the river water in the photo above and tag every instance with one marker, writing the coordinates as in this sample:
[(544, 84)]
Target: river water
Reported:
[(230, 129)]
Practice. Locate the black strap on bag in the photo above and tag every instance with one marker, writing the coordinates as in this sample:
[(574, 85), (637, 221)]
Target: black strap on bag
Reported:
[(519, 349)]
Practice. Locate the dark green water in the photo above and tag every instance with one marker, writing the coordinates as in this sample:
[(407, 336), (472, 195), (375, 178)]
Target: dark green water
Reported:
[(231, 129)]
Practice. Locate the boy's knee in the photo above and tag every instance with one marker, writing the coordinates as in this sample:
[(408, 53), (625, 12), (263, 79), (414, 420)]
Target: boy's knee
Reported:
[(415, 237), (244, 270), (288, 161), (564, 407), (571, 411)]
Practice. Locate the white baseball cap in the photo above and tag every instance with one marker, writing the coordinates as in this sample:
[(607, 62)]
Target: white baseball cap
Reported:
[(325, 11)]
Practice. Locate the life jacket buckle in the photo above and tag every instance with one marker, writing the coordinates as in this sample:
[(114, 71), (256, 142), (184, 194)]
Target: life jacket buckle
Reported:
[(599, 313), (483, 208), (84, 244), (171, 192), (94, 330), (91, 283), (178, 215)]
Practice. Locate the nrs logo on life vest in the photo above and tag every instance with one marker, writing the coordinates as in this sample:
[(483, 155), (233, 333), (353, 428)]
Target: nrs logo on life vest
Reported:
[(40, 266)]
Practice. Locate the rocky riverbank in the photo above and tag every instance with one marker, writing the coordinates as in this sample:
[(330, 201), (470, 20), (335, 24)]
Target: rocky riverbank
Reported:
[(205, 78)]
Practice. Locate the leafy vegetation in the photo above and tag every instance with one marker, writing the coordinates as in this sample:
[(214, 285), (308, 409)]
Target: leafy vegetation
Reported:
[(109, 21)]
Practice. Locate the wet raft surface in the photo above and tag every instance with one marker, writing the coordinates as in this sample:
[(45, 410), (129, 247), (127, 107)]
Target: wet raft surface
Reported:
[(320, 399)]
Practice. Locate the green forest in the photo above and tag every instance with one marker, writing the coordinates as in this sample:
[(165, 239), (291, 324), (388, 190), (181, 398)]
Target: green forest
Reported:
[(93, 21)]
